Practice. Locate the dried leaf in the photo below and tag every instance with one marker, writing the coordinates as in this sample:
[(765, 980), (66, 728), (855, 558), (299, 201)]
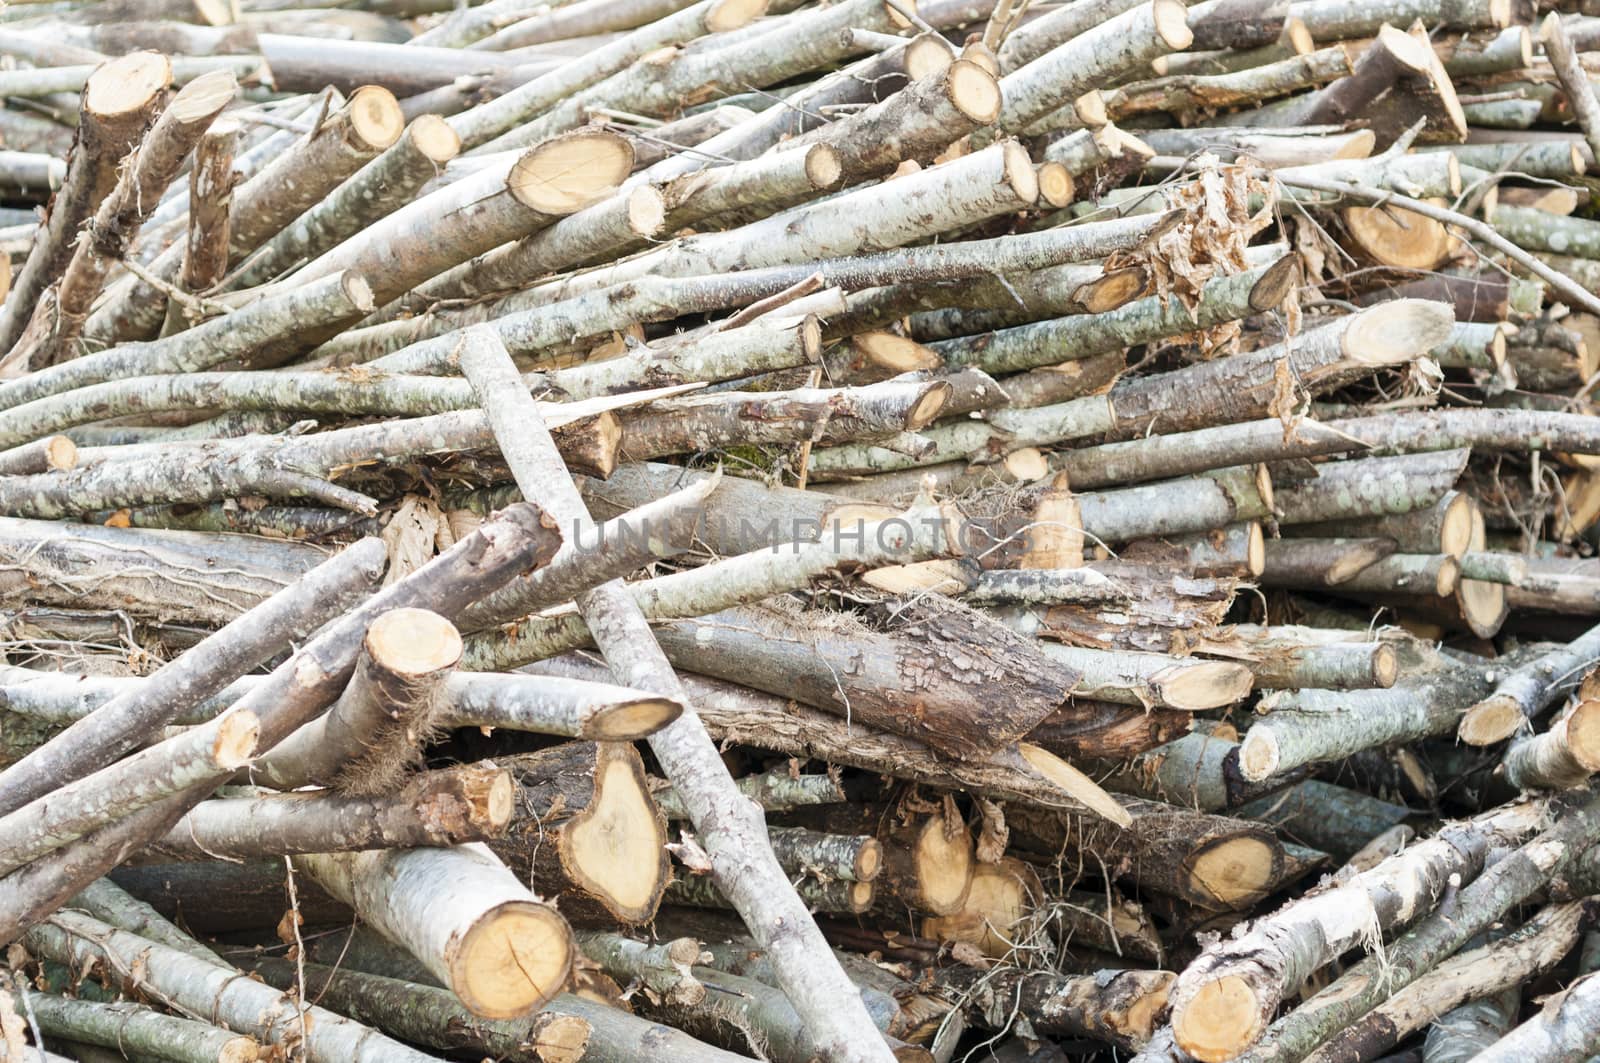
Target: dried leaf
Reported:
[(993, 834), (1285, 399), (690, 853), (13, 1031)]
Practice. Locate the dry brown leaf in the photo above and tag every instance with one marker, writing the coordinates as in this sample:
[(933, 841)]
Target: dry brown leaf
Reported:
[(13, 1031), (993, 834), (1285, 398)]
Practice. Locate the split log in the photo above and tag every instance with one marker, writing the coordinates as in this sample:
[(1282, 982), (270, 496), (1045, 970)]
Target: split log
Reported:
[(368, 741), (1398, 81), (1529, 690), (500, 950), (998, 911), (591, 803), (1119, 1007), (442, 808), (205, 251), (117, 104)]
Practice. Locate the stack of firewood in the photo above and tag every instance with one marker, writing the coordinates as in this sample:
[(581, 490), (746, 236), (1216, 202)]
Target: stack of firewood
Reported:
[(644, 530)]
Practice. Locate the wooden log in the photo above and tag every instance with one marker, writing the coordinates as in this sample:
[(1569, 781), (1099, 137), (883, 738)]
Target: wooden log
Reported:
[(742, 865), (203, 988), (338, 145), (117, 105), (124, 722), (1229, 389), (1477, 906), (1119, 1007), (926, 861), (1513, 959), (369, 740), (775, 791), (921, 534), (747, 717), (447, 807), (424, 1014), (1526, 692), (1334, 819), (1199, 770), (481, 125), (1111, 48), (1210, 861), (464, 915), (1223, 1002), (1562, 757), (78, 808), (918, 680), (294, 694), (1287, 656), (997, 911), (131, 1027), (241, 335), (842, 897), (58, 319), (590, 800), (1562, 1030), (1311, 726), (205, 251), (375, 191)]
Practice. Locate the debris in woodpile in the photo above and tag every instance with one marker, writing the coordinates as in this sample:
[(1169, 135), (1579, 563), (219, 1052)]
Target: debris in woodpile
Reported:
[(846, 530)]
